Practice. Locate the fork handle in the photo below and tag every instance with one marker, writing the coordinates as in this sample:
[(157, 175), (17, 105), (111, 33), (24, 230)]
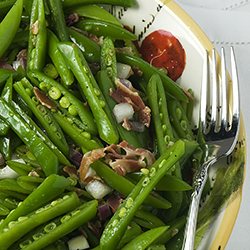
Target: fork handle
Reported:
[(201, 176)]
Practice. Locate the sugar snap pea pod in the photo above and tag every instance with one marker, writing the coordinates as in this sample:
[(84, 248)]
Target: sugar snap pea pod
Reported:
[(52, 187), (9, 26), (124, 186), (108, 58), (167, 183), (82, 138), (42, 113), (29, 182), (105, 84), (55, 90), (5, 6), (61, 157), (102, 28), (3, 210), (7, 96), (12, 185), (158, 105), (190, 106), (61, 226), (37, 37), (58, 60), (132, 231), (145, 239), (120, 220), (148, 70), (147, 220), (90, 89), (156, 247), (58, 20), (90, 49), (175, 226), (24, 224), (5, 74), (179, 120), (94, 11), (125, 3)]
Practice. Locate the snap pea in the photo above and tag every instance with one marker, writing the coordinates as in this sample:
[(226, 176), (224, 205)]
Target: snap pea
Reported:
[(45, 83), (3, 210), (5, 6), (61, 157), (145, 239), (105, 84), (5, 74), (120, 220), (29, 182), (90, 89), (12, 185), (24, 224), (125, 3), (148, 70), (9, 26), (58, 20), (61, 226), (58, 60), (102, 28), (124, 186), (179, 120), (47, 159), (37, 37), (94, 11), (51, 187), (25, 89), (90, 49)]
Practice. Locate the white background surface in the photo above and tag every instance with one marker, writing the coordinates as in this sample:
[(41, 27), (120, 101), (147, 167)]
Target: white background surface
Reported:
[(226, 23)]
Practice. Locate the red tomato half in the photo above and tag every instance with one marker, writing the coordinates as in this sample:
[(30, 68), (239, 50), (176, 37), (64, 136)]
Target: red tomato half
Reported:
[(162, 49)]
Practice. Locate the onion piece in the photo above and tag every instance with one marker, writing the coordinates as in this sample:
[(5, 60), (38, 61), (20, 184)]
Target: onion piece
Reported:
[(123, 70), (78, 243), (98, 189), (123, 110)]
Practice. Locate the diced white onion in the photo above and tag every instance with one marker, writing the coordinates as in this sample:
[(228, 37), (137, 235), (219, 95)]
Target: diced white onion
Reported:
[(98, 189), (78, 243), (8, 173), (123, 110), (123, 70)]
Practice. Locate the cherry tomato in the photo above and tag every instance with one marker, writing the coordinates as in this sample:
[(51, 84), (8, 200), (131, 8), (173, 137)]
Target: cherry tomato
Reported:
[(162, 49)]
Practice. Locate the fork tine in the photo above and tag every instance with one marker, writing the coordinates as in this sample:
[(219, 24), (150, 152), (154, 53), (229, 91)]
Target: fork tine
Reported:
[(224, 109), (236, 94), (214, 92), (203, 94)]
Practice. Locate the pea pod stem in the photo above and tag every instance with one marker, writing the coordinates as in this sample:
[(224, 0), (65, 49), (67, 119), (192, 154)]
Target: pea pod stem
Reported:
[(87, 84), (120, 220)]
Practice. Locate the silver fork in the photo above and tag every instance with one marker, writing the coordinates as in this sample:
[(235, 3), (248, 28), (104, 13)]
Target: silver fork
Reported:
[(220, 135)]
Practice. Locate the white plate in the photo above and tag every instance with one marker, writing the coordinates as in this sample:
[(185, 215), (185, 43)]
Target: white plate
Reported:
[(150, 15)]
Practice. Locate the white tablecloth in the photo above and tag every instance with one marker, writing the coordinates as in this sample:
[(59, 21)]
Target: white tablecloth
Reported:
[(226, 23)]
